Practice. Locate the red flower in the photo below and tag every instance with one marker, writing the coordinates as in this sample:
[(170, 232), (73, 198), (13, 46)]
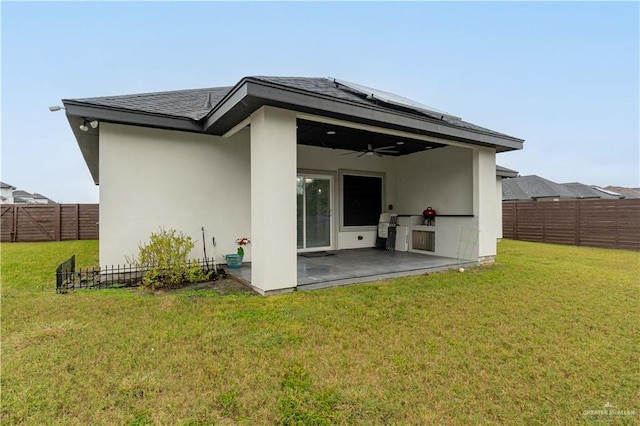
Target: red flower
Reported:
[(243, 241)]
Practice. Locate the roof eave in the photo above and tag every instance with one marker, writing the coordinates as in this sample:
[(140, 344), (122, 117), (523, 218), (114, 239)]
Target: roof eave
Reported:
[(251, 94), (88, 143), (123, 116), (506, 174)]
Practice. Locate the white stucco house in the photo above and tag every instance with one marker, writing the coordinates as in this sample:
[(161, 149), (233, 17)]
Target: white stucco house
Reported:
[(296, 164), (6, 193)]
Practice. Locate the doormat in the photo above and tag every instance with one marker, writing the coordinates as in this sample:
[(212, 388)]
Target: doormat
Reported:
[(316, 254)]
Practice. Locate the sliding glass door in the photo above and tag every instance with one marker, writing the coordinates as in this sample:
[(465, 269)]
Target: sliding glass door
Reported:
[(314, 194)]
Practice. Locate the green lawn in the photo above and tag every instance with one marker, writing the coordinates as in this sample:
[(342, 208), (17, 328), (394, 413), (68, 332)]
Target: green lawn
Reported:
[(541, 337)]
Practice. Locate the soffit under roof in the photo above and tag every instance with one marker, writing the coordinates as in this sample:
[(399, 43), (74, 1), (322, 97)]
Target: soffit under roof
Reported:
[(337, 137)]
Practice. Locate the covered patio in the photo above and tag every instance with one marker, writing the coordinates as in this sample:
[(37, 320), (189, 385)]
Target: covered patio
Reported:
[(342, 267)]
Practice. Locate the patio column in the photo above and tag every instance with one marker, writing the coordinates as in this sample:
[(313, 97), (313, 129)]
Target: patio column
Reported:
[(273, 200), (485, 202)]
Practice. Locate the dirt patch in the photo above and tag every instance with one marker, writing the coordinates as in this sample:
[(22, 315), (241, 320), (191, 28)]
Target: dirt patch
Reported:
[(223, 286)]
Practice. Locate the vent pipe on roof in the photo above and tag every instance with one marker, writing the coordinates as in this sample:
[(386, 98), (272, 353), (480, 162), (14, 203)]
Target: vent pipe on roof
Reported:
[(208, 103)]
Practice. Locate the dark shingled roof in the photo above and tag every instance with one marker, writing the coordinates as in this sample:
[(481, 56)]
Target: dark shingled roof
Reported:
[(177, 103), (536, 187), (512, 192), (191, 103), (327, 87), (585, 191), (221, 111)]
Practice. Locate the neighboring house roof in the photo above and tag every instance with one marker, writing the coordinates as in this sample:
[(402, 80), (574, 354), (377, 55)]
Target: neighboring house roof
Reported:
[(585, 191), (535, 187), (24, 197), (504, 172), (190, 110), (43, 198), (6, 185), (20, 196), (627, 192), (512, 192)]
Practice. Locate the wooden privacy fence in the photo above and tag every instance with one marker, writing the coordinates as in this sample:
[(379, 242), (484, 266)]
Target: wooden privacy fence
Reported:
[(595, 223), (48, 222)]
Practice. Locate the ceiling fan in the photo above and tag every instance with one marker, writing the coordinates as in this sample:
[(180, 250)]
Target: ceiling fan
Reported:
[(391, 149)]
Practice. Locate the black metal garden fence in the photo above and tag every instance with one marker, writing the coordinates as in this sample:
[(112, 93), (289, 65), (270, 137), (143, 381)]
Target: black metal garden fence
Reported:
[(116, 276)]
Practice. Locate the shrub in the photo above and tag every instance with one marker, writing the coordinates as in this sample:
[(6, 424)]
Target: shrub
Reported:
[(165, 260)]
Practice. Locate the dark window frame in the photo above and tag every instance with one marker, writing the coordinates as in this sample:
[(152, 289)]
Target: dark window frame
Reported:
[(345, 205)]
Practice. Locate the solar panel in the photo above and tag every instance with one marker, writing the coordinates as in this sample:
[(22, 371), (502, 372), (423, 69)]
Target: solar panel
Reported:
[(393, 99), (606, 191)]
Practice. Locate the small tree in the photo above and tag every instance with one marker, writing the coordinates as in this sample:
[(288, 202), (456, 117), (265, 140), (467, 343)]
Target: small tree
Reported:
[(165, 262)]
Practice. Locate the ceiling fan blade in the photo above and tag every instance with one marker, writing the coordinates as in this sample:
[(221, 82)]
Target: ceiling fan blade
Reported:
[(364, 153), (386, 147), (387, 151), (349, 153), (377, 153)]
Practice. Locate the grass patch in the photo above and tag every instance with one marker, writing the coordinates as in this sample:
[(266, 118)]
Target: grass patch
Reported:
[(543, 336)]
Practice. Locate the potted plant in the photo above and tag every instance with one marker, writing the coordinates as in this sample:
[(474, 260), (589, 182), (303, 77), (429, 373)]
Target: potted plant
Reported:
[(242, 242), (234, 260)]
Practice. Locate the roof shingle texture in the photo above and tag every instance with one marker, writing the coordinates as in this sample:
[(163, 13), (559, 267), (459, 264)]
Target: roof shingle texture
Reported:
[(533, 187), (585, 191), (327, 87), (179, 103), (191, 103), (512, 192), (538, 187)]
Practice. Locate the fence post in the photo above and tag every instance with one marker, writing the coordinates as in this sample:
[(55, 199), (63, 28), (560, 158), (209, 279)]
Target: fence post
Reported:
[(77, 208), (617, 225), (14, 234), (544, 221), (56, 222), (577, 224), (515, 221)]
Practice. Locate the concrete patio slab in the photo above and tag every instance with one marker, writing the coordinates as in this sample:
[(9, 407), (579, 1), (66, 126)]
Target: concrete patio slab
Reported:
[(360, 265)]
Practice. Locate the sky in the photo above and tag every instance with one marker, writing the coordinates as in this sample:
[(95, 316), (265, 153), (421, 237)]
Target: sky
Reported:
[(562, 76)]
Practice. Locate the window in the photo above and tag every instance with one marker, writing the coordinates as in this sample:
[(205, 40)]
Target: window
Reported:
[(361, 199)]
